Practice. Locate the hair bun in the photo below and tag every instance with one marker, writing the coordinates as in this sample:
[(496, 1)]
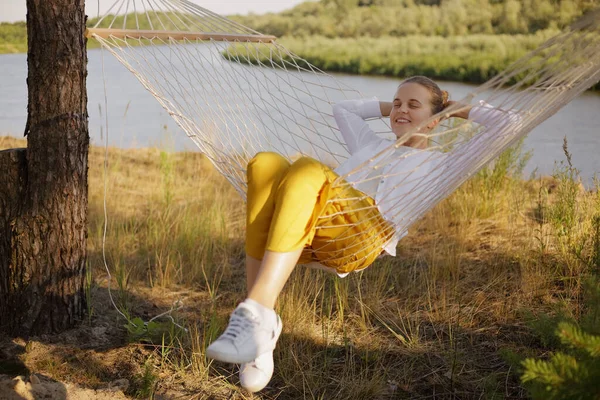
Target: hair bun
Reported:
[(445, 97)]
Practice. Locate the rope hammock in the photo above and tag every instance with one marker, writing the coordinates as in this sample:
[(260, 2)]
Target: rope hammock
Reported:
[(236, 92)]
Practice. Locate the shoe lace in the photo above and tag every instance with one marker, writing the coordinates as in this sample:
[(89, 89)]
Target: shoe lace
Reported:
[(241, 322)]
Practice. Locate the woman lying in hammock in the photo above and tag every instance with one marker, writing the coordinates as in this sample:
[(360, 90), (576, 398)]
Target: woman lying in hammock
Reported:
[(286, 200)]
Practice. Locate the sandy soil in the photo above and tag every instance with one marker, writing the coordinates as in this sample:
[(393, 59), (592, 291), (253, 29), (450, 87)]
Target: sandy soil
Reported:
[(41, 387)]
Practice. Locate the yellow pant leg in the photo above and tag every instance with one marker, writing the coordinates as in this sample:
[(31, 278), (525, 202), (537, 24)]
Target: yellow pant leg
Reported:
[(298, 204), (264, 173)]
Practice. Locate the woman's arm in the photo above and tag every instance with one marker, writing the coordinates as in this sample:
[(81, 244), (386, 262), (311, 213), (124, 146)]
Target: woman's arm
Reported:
[(463, 112), (497, 123), (351, 115), (386, 108), (496, 120)]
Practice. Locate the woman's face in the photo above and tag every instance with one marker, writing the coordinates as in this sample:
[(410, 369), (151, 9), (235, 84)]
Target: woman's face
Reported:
[(410, 107)]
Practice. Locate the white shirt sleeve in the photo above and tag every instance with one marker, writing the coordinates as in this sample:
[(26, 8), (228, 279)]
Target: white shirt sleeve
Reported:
[(487, 115), (496, 122), (350, 116)]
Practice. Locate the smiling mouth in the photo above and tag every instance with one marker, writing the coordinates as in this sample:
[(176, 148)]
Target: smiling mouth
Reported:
[(402, 121)]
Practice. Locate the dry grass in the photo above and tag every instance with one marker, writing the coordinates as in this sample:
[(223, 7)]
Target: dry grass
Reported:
[(447, 318)]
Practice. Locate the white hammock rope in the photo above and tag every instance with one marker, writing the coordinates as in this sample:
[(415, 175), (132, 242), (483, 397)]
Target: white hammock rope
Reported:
[(236, 92)]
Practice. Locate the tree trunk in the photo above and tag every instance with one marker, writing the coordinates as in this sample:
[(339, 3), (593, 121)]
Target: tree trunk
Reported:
[(12, 185), (43, 229)]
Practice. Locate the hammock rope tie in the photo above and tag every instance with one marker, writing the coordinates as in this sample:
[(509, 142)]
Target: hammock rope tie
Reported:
[(236, 92)]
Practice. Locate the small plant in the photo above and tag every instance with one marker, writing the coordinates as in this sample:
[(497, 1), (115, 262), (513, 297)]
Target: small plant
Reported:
[(122, 275), (573, 372), (595, 258), (563, 212), (145, 382), (540, 216), (152, 331), (567, 375)]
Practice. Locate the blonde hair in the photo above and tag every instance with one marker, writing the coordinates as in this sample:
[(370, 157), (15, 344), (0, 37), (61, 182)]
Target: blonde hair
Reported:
[(439, 97)]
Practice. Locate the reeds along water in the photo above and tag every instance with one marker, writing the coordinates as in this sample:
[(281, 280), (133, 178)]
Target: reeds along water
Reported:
[(473, 58)]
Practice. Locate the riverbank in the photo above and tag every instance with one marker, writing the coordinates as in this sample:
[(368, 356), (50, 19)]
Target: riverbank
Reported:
[(470, 59), (469, 296)]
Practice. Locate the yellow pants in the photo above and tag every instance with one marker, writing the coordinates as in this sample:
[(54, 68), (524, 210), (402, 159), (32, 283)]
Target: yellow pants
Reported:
[(288, 208)]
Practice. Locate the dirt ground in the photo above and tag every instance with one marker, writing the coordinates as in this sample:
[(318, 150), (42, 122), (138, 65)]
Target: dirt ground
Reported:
[(41, 387), (94, 361), (35, 369)]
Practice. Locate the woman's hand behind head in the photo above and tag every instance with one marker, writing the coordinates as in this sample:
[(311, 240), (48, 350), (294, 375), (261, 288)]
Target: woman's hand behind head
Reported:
[(461, 112)]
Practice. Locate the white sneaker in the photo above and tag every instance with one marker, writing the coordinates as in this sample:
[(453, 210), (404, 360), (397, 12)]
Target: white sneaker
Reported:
[(247, 336), (256, 374)]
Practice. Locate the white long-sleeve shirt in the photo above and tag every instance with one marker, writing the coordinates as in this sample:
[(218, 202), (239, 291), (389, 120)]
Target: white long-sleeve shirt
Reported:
[(399, 185)]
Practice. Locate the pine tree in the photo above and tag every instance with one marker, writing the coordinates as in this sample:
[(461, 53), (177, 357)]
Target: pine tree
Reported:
[(574, 371)]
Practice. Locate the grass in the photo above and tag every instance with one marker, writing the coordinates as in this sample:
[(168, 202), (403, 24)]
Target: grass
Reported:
[(447, 318)]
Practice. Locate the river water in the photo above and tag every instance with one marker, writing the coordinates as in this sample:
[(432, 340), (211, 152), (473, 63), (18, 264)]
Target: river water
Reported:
[(135, 119)]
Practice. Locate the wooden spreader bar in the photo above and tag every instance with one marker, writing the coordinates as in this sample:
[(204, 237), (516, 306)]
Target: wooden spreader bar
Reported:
[(176, 35)]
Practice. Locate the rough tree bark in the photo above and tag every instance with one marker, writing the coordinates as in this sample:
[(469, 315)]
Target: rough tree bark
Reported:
[(43, 199)]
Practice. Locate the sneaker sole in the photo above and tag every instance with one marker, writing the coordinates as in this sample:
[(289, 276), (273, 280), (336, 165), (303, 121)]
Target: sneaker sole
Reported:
[(240, 359)]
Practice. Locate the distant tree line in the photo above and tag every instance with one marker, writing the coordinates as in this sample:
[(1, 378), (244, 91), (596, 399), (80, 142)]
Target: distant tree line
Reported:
[(385, 18), (13, 37), (376, 18)]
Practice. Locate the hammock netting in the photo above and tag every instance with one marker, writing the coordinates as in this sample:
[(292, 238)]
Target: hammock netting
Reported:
[(236, 92)]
